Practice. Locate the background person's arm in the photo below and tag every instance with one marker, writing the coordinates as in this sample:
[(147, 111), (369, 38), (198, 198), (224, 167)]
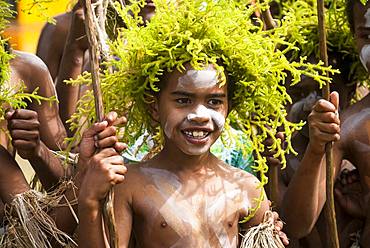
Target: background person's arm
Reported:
[(305, 196)]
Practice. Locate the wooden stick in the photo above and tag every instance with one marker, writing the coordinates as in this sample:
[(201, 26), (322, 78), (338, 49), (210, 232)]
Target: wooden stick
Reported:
[(94, 51), (329, 204), (268, 20)]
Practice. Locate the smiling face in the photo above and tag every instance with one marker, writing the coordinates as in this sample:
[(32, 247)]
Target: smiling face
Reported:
[(192, 109)]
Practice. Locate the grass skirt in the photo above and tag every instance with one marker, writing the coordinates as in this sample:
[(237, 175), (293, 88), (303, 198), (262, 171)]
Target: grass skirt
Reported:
[(28, 224)]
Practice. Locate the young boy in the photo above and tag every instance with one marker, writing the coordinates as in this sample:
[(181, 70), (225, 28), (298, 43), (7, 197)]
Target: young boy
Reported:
[(187, 65), (184, 196)]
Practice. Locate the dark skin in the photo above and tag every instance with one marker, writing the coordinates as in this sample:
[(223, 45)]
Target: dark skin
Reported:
[(72, 65), (24, 128), (304, 96), (353, 146), (23, 125), (96, 141), (34, 74), (51, 42), (351, 204), (212, 197), (100, 136), (323, 128), (66, 55), (360, 32), (10, 175)]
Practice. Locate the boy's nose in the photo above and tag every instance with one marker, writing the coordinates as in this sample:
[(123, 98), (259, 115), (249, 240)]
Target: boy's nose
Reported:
[(201, 114)]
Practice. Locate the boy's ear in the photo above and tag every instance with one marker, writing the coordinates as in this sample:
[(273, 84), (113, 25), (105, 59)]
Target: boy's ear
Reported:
[(153, 109)]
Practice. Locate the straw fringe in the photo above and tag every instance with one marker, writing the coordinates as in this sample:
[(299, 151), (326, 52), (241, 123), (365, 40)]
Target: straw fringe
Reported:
[(28, 224), (262, 236)]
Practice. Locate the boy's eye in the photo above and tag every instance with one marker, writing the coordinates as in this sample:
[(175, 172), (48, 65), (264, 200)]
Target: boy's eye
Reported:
[(183, 100), (214, 102)]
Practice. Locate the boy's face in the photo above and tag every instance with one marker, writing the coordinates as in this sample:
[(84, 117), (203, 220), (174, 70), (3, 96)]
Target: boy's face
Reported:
[(192, 109)]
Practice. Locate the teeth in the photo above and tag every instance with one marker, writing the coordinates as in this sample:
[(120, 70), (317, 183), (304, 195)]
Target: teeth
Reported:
[(196, 134)]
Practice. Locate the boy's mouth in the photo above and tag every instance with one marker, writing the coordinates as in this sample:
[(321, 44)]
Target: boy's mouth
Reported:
[(196, 134)]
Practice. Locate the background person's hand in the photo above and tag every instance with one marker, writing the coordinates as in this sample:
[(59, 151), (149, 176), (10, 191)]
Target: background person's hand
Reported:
[(23, 126), (324, 123)]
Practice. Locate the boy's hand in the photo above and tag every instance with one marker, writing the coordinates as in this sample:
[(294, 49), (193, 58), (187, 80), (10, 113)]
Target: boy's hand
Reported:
[(23, 126), (105, 169), (324, 123), (100, 159)]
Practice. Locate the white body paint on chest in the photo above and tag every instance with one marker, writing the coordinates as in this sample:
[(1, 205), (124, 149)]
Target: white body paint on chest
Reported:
[(200, 79), (182, 213), (203, 112)]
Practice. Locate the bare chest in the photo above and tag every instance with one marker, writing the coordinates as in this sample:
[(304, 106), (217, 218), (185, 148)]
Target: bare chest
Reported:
[(174, 215)]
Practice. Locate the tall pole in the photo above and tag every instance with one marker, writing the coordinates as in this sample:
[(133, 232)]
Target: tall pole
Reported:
[(94, 53), (329, 204)]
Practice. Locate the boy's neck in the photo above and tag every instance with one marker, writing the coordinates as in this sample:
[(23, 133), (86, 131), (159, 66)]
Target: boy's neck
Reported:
[(175, 160)]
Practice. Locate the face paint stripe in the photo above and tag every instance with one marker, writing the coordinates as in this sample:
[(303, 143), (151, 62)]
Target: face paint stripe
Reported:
[(200, 79), (203, 112)]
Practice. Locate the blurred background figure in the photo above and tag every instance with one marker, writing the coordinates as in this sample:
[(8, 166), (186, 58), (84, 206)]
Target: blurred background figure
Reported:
[(25, 29)]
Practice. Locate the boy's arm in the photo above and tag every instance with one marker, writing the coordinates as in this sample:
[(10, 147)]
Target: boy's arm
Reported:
[(104, 170), (12, 180), (100, 172), (305, 196), (254, 193), (99, 136)]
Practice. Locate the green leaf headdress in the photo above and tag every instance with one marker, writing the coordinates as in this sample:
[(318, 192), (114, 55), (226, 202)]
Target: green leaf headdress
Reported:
[(203, 32)]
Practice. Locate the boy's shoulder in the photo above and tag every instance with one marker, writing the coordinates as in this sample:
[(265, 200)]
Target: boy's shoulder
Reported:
[(236, 174), (134, 175)]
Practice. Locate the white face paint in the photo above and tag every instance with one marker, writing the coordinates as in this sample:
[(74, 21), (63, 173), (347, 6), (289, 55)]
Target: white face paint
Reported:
[(203, 112), (200, 79), (365, 51), (168, 129), (367, 18), (365, 55)]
